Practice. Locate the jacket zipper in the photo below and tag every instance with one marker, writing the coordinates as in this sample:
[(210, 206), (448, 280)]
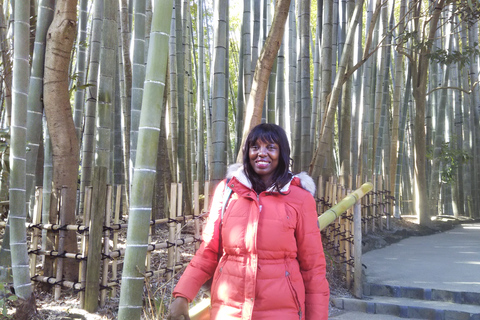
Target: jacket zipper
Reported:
[(295, 296)]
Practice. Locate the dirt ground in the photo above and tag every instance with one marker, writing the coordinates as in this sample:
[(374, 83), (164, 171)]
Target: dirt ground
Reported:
[(158, 292)]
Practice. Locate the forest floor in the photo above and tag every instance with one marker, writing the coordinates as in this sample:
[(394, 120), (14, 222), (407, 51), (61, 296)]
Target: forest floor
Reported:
[(158, 292)]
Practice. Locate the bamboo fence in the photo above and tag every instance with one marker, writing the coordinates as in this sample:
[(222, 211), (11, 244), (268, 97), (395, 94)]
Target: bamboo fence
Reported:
[(100, 252)]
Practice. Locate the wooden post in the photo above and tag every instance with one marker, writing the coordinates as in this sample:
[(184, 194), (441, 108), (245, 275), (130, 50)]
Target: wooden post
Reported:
[(206, 202), (106, 245), (118, 203), (83, 264), (37, 216), (343, 233), (333, 200), (179, 214), (92, 285), (196, 213), (61, 243), (373, 203), (320, 195), (389, 202), (337, 226), (148, 258), (348, 246), (171, 232), (357, 242), (48, 261), (380, 201), (364, 211)]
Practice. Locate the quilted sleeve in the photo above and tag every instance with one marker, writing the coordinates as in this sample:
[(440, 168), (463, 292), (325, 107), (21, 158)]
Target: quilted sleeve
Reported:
[(312, 262), (204, 263)]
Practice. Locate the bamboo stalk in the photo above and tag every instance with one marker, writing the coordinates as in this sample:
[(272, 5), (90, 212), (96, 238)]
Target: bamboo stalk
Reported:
[(196, 212), (320, 194), (61, 243), (389, 204), (92, 285), (118, 201), (357, 242), (201, 311), (48, 268), (106, 244), (148, 257), (179, 214), (171, 231), (373, 201), (56, 254), (328, 202), (83, 264), (51, 280), (206, 201), (380, 201), (37, 216), (333, 200), (331, 214), (348, 247), (56, 227), (336, 227), (342, 222)]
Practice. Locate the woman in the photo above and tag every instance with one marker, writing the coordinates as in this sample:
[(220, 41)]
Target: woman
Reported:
[(272, 264)]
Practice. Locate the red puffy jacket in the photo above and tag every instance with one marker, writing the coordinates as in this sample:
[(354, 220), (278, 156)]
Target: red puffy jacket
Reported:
[(273, 265)]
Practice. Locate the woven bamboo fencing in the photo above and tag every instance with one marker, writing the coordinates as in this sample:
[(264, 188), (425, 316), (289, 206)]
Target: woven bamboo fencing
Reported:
[(338, 237)]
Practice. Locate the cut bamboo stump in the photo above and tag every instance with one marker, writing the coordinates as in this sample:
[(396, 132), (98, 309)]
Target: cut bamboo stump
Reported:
[(37, 217), (106, 243), (118, 200), (92, 285), (61, 244), (171, 231), (83, 264)]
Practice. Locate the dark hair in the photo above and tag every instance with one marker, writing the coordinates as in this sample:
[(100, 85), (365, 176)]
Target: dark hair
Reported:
[(269, 133)]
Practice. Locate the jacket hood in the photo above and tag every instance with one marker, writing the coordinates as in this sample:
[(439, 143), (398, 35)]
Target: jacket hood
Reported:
[(306, 182)]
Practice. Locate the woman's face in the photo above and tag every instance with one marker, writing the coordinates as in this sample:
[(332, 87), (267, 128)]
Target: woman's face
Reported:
[(264, 159)]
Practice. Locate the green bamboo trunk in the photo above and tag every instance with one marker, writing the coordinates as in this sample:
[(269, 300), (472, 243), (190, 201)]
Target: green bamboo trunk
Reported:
[(47, 181), (220, 96), (81, 74), (334, 212), (179, 45), (35, 93), (106, 88), (291, 50), (126, 92), (88, 141), (130, 306), (172, 106), (200, 100), (18, 214), (7, 63), (138, 75)]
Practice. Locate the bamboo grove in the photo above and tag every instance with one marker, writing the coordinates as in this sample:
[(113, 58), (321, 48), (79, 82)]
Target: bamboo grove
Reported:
[(165, 91)]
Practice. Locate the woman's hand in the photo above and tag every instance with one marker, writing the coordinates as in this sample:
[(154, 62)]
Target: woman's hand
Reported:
[(179, 309)]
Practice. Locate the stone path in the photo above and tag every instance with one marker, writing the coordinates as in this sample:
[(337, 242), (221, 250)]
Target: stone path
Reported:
[(428, 277)]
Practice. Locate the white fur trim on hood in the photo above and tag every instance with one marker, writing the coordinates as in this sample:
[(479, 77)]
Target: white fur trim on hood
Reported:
[(307, 182), (236, 170)]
